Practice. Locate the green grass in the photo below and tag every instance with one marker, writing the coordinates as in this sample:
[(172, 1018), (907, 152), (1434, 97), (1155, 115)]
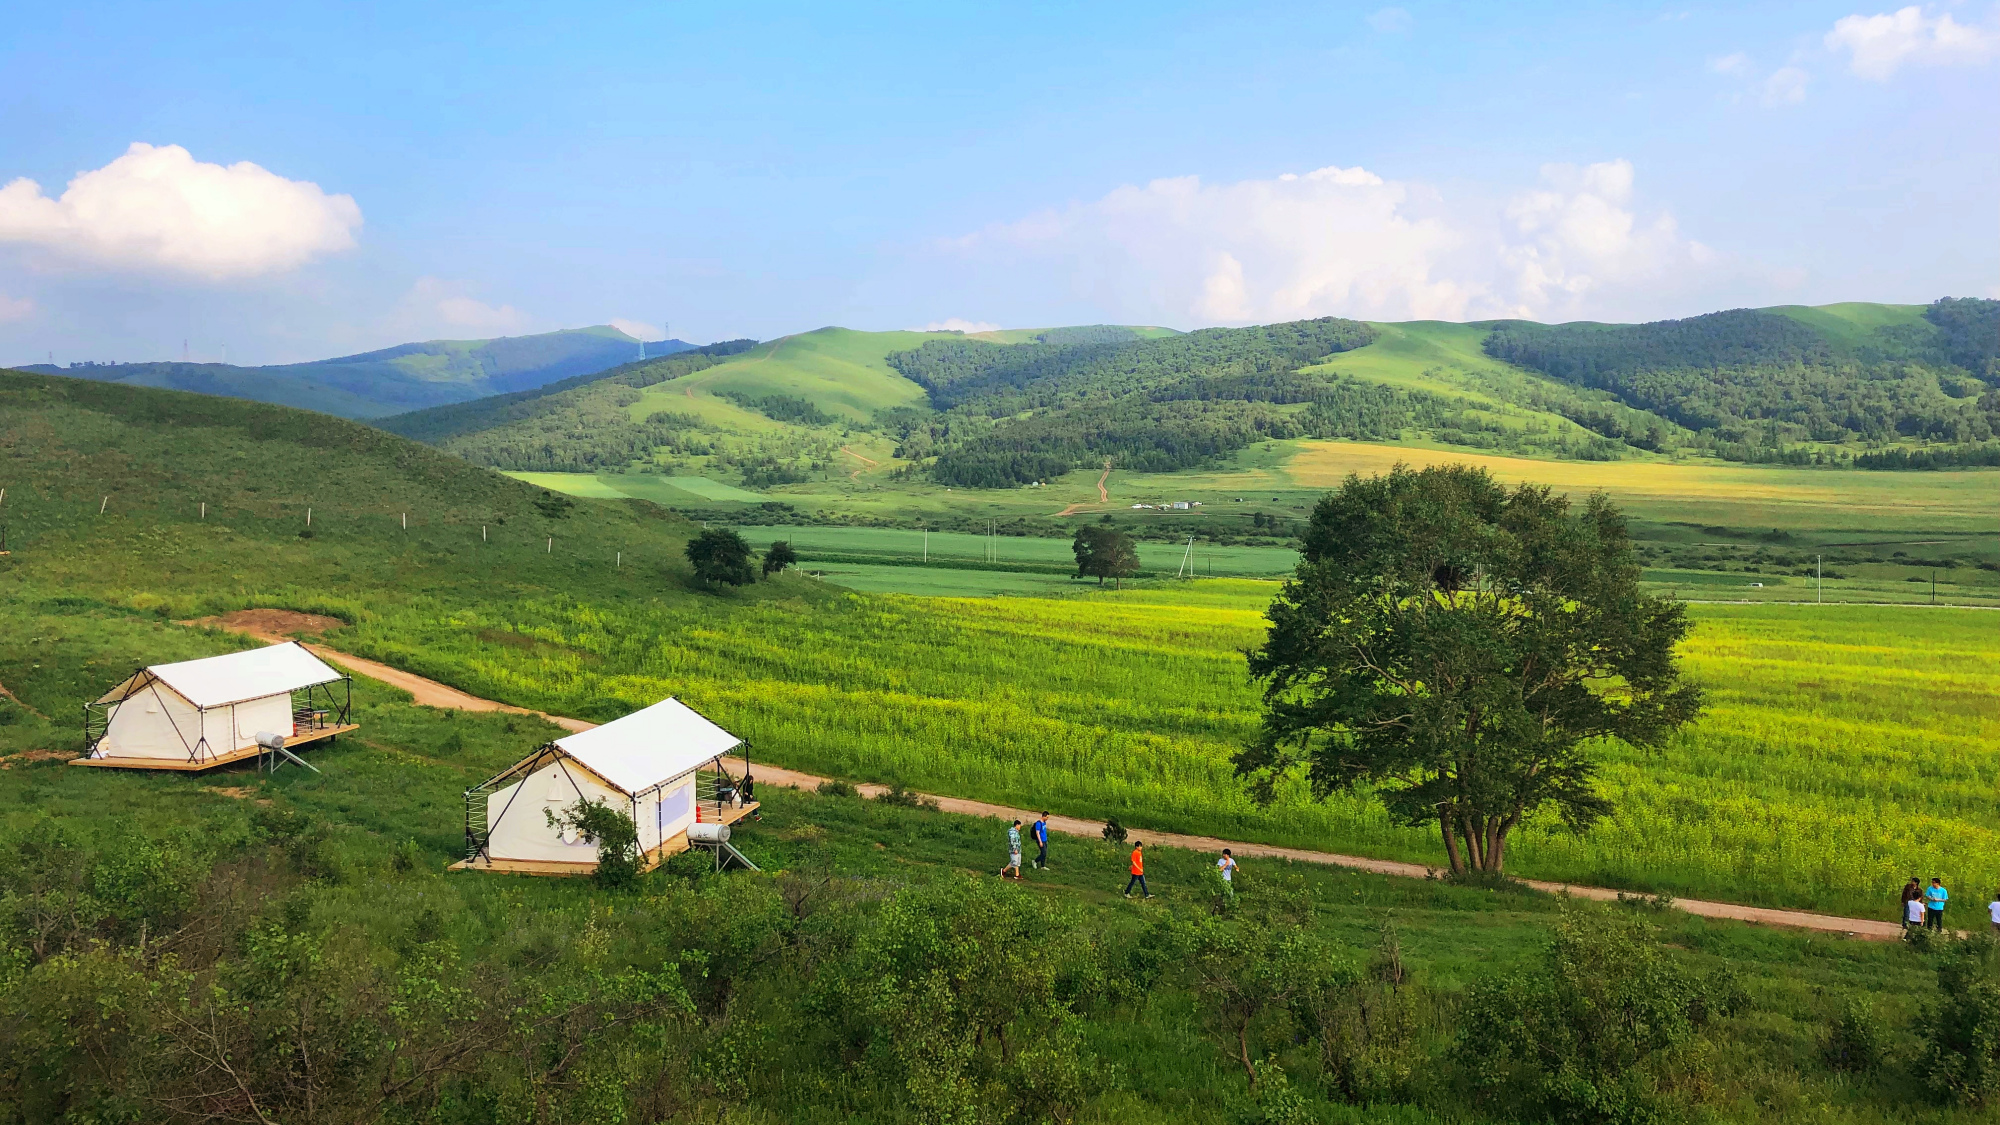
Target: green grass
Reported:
[(399, 780), (839, 370), (1099, 703), (1853, 321), (834, 543)]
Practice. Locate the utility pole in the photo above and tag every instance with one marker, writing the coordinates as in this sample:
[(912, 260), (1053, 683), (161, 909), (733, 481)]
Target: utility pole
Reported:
[(1819, 580)]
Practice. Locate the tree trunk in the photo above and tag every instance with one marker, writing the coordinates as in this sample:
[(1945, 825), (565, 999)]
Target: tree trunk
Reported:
[(1445, 827), (1243, 1051)]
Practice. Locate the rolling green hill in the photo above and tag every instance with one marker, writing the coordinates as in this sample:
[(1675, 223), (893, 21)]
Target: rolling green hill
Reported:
[(392, 380)]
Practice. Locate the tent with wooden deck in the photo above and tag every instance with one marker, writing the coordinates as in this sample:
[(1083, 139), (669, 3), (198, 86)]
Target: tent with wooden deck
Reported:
[(662, 766), (198, 714)]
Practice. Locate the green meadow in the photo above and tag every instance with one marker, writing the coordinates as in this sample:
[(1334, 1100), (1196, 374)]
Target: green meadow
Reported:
[(1845, 747)]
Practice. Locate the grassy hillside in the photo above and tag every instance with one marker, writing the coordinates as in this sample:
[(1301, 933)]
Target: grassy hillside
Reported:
[(1845, 746), (393, 380)]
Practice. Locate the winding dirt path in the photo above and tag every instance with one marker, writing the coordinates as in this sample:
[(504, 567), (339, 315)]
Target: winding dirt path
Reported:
[(269, 625), (1104, 497)]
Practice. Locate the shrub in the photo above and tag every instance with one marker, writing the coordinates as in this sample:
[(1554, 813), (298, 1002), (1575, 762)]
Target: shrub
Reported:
[(616, 837), (1114, 831), (1581, 1037), (1856, 1041), (1960, 1029), (837, 788), (903, 798)]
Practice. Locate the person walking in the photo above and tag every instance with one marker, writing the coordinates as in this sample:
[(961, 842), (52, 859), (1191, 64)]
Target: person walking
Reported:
[(1935, 896), (1913, 914), (1042, 843), (1227, 866), (1138, 871), (1993, 911), (1013, 852), (1913, 891)]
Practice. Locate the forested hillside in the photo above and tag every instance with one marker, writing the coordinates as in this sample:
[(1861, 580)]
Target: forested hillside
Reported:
[(405, 377), (1762, 380)]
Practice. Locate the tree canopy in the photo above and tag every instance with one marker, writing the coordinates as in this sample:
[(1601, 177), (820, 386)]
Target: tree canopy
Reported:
[(720, 555), (1104, 552), (779, 557), (1457, 648)]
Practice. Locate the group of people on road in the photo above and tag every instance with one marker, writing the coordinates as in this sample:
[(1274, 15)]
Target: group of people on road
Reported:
[(1039, 832), (1923, 907)]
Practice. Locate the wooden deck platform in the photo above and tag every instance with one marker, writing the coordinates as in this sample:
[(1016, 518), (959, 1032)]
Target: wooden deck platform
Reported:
[(294, 743), (674, 845)]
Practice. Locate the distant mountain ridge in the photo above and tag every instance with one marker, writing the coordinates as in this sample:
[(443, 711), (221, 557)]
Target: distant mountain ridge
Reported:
[(396, 379)]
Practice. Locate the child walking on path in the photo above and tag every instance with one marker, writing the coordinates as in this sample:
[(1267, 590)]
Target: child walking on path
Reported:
[(1042, 843), (1013, 852), (1138, 871)]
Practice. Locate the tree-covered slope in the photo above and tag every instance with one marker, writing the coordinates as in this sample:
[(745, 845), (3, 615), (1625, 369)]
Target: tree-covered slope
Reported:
[(396, 379), (1765, 378)]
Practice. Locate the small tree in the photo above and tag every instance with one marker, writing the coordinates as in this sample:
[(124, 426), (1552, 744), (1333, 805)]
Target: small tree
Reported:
[(616, 837), (1460, 650), (1104, 552), (1960, 1028), (720, 555), (779, 557)]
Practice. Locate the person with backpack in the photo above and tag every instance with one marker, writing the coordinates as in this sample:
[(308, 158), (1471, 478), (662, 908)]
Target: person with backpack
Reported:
[(1138, 871), (1042, 843)]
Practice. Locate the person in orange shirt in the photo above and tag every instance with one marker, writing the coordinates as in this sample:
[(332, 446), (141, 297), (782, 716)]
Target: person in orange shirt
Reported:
[(1138, 871)]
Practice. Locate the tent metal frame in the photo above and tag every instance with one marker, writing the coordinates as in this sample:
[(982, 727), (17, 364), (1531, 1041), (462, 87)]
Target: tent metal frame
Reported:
[(479, 829), (336, 708)]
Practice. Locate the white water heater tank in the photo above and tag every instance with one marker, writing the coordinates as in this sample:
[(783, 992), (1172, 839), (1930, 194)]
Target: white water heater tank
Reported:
[(708, 832)]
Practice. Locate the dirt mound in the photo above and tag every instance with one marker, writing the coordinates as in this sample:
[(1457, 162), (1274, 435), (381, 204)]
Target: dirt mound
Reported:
[(272, 624)]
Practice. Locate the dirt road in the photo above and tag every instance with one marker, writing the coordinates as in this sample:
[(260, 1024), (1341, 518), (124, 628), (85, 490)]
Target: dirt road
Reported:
[(1104, 497), (272, 625)]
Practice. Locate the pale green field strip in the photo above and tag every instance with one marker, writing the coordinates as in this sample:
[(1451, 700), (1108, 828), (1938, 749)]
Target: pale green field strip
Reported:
[(640, 486), (899, 542)]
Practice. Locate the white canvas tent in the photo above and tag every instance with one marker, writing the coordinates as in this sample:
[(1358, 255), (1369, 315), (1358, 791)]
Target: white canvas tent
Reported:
[(646, 764), (200, 713)]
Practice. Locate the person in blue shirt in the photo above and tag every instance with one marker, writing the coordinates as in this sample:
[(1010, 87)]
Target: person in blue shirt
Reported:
[(1042, 843), (1935, 896)]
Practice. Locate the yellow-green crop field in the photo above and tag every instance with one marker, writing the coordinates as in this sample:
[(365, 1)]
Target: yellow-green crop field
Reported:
[(1845, 746)]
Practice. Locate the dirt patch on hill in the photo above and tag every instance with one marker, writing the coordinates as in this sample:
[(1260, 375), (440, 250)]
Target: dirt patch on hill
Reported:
[(272, 624), (7, 761)]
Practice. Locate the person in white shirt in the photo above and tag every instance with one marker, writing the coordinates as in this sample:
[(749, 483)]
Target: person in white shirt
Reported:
[(1993, 911), (1913, 913), (1227, 866)]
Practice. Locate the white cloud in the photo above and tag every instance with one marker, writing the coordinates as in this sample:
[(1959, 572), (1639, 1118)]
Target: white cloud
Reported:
[(637, 329), (15, 308), (1785, 86), (1390, 21), (1881, 44), (160, 209), (1738, 63), (436, 307), (1349, 242), (954, 324)]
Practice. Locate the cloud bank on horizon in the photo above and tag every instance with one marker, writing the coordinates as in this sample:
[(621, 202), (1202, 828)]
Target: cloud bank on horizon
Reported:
[(1350, 242)]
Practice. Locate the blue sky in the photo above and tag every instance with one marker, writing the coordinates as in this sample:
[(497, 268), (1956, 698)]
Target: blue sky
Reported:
[(469, 170)]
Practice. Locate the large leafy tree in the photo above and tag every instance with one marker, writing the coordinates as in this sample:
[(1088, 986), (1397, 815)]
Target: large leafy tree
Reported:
[(720, 555), (1460, 650), (1104, 552)]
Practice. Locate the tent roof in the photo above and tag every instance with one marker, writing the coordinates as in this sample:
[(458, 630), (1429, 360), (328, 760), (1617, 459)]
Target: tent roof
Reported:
[(218, 681), (649, 747)]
